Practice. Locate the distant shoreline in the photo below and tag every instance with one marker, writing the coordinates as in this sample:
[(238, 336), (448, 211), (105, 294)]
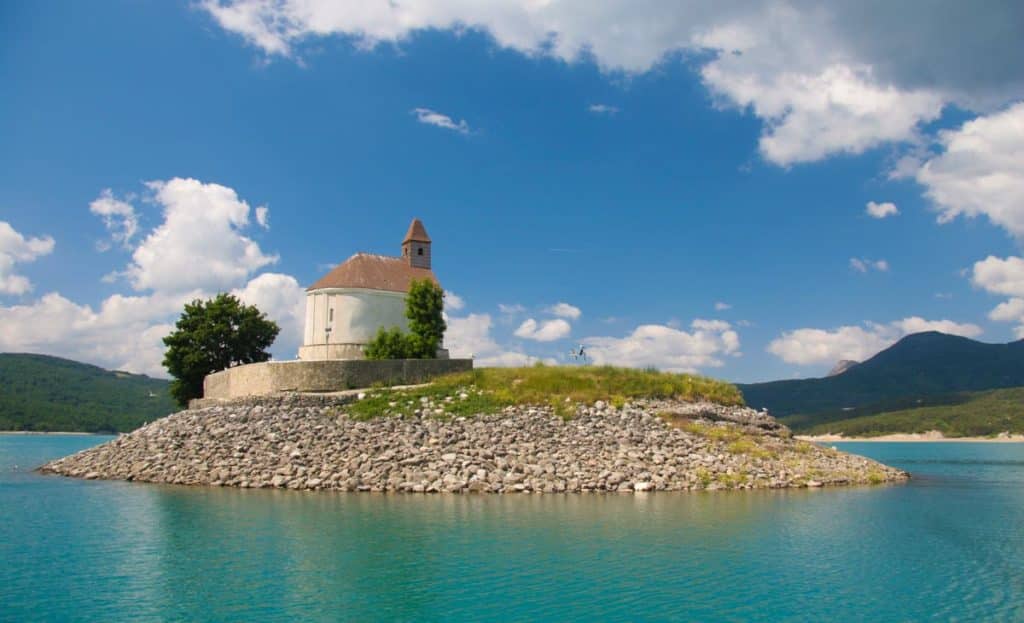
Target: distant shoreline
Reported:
[(929, 437), (49, 432)]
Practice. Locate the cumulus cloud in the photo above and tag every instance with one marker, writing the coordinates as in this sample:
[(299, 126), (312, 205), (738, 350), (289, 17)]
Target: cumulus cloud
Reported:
[(722, 306), (124, 333), (1003, 276), (832, 77), (603, 109), (1000, 275), (201, 234), (863, 265), (434, 118), (667, 348), (118, 216), (283, 300), (565, 310), (817, 346), (980, 171), (453, 301), (545, 331), (881, 210), (17, 249), (200, 243), (470, 336)]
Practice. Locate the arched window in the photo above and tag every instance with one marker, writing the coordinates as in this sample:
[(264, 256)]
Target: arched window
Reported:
[(419, 251)]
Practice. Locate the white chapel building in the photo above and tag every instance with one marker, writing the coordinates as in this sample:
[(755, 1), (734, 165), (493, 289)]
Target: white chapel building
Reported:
[(366, 292)]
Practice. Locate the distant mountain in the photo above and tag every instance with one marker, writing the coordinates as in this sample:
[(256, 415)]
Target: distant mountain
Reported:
[(43, 393), (921, 369)]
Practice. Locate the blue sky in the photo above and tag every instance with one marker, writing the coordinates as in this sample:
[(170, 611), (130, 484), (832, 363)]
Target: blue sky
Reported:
[(692, 184)]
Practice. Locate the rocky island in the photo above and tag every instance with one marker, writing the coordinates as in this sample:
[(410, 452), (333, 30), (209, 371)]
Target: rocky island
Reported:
[(484, 431)]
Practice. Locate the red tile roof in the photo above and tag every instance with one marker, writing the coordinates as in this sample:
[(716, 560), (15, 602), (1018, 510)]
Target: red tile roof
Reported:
[(417, 232), (374, 272)]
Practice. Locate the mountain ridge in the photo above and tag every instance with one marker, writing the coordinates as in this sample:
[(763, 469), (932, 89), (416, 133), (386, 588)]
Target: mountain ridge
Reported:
[(927, 368)]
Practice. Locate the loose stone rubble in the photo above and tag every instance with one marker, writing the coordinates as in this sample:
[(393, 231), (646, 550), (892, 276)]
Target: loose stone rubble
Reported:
[(309, 442)]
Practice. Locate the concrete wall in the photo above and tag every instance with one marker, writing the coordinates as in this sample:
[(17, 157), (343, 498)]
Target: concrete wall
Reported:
[(259, 379), (357, 315)]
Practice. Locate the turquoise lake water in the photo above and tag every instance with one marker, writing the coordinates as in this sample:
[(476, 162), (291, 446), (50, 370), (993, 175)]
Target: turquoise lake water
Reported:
[(948, 546)]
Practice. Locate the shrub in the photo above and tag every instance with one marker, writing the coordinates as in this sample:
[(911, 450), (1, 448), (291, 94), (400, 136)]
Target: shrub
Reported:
[(389, 344)]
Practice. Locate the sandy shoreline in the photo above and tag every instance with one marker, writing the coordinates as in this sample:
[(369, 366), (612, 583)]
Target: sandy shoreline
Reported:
[(930, 437)]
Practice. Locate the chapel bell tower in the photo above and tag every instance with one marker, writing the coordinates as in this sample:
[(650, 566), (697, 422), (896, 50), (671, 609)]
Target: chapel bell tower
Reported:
[(416, 246)]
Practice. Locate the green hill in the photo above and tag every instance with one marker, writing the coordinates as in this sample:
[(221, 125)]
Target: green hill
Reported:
[(924, 369), (42, 393), (975, 414)]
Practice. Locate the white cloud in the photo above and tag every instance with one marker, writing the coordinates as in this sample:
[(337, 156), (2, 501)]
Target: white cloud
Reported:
[(118, 216), (546, 331), (980, 171), (124, 333), (434, 118), (1000, 275), (1008, 311), (881, 210), (453, 301), (200, 234), (565, 310), (263, 217), (863, 265), (17, 249), (722, 306), (667, 348), (833, 77), (603, 109), (200, 244), (283, 300), (1003, 276), (816, 346), (470, 336)]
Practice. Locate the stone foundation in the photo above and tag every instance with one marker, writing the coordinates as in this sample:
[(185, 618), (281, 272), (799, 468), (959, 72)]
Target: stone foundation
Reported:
[(271, 377)]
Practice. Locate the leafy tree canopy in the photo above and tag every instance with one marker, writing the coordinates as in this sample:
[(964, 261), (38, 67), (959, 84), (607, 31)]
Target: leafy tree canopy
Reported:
[(214, 335)]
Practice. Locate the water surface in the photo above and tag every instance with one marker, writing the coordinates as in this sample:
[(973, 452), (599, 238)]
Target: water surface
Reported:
[(949, 545)]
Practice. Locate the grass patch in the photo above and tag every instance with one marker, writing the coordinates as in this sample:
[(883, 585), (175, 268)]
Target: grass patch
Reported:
[(725, 434), (876, 477), (488, 390), (748, 447)]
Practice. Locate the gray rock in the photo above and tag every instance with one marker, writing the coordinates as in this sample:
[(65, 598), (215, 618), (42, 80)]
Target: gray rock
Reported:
[(306, 442)]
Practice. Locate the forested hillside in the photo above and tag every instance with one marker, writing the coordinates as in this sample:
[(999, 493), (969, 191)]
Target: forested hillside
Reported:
[(43, 393)]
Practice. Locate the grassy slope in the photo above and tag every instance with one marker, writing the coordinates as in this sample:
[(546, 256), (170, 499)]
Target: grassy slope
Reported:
[(42, 393), (488, 390), (974, 414)]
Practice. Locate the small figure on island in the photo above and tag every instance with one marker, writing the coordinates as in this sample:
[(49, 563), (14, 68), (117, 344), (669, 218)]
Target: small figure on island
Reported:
[(366, 293)]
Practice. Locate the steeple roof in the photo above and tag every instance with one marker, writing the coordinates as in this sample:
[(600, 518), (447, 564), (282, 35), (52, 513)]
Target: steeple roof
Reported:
[(417, 232)]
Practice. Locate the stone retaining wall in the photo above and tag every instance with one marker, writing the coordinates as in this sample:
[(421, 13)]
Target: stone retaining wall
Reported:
[(271, 377)]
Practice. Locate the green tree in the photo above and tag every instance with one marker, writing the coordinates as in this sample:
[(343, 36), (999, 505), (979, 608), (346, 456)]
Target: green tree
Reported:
[(214, 335), (423, 308)]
